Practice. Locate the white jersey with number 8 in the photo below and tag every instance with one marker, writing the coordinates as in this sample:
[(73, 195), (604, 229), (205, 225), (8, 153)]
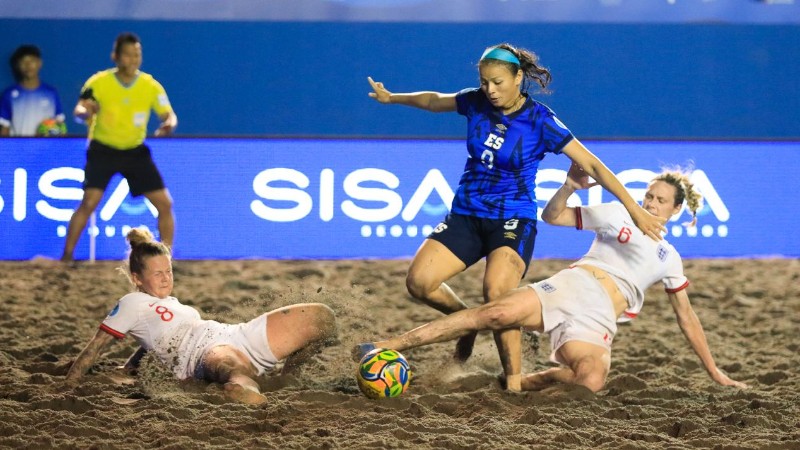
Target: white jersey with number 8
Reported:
[(171, 329)]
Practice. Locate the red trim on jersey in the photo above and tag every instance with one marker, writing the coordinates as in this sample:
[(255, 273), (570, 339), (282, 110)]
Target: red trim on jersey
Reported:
[(680, 288), (112, 331), (578, 219), (632, 315)]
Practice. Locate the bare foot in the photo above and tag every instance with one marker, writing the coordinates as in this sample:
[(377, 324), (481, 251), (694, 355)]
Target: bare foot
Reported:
[(245, 395), (514, 387), (464, 347)]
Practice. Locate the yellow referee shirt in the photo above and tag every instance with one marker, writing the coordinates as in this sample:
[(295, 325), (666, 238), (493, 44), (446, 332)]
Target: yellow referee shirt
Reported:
[(124, 111)]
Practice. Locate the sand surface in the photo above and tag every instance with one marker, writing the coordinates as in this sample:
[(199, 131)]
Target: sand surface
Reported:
[(658, 396)]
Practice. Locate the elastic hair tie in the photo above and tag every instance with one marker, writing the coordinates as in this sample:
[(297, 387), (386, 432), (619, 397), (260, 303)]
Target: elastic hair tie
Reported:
[(500, 54)]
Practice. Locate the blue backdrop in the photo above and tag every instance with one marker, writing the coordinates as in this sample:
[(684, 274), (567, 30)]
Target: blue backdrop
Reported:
[(313, 198), (476, 11), (308, 78)]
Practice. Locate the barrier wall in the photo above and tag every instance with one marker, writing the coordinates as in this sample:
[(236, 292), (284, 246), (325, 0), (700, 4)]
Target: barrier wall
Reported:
[(241, 77), (481, 11), (312, 198)]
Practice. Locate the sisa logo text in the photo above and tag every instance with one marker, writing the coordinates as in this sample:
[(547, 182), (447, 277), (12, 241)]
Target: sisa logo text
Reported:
[(368, 195), (374, 196), (712, 202), (61, 186)]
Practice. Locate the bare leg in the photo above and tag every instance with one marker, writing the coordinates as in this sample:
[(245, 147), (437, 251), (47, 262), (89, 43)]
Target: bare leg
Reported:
[(297, 332), (166, 220), (518, 308), (504, 269), (432, 266), (77, 223), (229, 366), (588, 366)]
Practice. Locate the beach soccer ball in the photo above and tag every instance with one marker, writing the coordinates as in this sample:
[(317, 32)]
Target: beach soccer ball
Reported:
[(383, 373), (51, 127)]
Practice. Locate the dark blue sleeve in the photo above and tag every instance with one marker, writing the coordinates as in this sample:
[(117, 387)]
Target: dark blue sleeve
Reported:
[(466, 100), (556, 134)]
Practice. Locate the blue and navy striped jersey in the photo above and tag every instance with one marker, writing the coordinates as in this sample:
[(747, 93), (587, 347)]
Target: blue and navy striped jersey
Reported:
[(504, 152)]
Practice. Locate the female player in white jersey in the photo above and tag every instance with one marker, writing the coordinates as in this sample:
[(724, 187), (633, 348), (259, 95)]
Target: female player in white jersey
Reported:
[(579, 306), (494, 210), (204, 349)]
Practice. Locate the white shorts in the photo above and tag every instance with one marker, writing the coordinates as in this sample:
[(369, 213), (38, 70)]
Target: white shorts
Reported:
[(575, 307), (250, 338)]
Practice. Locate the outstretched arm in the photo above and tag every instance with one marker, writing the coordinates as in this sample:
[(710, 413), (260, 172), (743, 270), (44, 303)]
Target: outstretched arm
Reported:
[(650, 225), (88, 356), (693, 330), (427, 100)]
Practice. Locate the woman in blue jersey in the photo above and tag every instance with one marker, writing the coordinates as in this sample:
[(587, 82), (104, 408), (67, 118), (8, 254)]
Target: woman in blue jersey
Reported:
[(494, 211), (232, 354), (579, 306)]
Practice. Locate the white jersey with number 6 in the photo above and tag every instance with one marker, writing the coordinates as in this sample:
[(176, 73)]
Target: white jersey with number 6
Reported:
[(634, 260)]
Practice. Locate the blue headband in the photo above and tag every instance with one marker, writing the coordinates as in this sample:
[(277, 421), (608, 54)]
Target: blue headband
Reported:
[(500, 54)]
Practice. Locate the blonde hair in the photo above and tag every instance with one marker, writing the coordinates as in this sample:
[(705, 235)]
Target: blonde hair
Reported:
[(143, 246), (684, 190)]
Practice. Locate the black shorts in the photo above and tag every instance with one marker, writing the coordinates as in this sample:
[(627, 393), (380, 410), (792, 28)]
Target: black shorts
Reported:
[(136, 165), (472, 238)]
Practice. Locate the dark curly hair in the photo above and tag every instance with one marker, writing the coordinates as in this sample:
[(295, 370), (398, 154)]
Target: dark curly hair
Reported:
[(528, 63)]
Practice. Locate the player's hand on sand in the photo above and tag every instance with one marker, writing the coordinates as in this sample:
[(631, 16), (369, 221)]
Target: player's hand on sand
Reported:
[(71, 382), (723, 379), (380, 93), (651, 225), (62, 367)]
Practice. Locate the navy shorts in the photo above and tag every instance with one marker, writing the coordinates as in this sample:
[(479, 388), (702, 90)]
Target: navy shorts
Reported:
[(472, 238), (136, 165)]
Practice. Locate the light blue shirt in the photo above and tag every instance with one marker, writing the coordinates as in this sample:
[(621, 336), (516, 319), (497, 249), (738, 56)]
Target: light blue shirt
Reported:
[(22, 110)]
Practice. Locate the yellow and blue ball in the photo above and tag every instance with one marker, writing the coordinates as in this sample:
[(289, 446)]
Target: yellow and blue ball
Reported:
[(383, 373)]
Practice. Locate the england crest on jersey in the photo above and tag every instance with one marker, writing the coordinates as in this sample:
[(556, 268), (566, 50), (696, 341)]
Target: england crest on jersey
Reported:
[(663, 252)]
